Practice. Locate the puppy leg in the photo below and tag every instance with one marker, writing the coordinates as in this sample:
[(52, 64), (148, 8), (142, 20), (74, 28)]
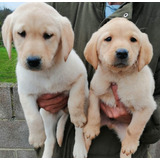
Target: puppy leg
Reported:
[(60, 128), (50, 121), (121, 130), (76, 102), (92, 128), (79, 150), (134, 131), (34, 120)]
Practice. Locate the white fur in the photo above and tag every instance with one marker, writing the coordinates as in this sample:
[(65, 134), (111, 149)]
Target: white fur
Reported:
[(135, 81), (61, 71), (57, 79)]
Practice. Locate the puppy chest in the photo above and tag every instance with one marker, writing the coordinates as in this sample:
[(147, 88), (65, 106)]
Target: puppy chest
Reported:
[(42, 84), (54, 86), (128, 95), (108, 98)]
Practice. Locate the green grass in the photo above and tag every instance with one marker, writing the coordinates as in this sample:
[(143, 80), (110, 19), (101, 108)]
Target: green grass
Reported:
[(7, 66)]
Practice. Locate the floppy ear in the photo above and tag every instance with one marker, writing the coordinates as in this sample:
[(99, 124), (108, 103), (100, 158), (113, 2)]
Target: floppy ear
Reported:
[(67, 38), (90, 51), (7, 34), (146, 52)]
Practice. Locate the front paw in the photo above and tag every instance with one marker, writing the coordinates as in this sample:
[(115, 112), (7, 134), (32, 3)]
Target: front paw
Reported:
[(129, 146), (79, 151), (91, 131), (78, 121), (37, 139)]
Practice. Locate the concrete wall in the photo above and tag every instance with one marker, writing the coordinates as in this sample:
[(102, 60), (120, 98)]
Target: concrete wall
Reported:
[(14, 131), (13, 128)]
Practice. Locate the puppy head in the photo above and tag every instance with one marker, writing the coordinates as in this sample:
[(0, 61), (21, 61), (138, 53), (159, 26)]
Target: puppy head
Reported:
[(119, 45), (40, 34)]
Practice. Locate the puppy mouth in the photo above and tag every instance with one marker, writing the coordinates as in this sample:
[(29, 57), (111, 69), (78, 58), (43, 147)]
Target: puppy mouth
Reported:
[(121, 64), (39, 68)]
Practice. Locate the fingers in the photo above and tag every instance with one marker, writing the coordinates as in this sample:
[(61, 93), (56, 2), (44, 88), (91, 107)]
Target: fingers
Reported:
[(55, 101), (52, 102), (106, 109), (118, 113), (53, 109), (49, 96)]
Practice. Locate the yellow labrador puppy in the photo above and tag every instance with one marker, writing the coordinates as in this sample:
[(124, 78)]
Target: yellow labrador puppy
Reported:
[(120, 52), (47, 64)]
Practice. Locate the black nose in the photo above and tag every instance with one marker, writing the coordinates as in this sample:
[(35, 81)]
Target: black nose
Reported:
[(122, 53), (34, 62)]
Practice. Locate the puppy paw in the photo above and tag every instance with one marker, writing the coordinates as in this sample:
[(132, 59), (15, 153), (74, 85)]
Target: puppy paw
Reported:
[(47, 153), (79, 121), (129, 146), (79, 151), (90, 132), (124, 155), (49, 147), (87, 143), (37, 139)]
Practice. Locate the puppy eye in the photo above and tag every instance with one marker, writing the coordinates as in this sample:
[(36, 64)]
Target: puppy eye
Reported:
[(22, 34), (108, 39), (133, 39), (47, 36)]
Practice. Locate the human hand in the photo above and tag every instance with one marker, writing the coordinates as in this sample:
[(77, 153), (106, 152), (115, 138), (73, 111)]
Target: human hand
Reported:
[(52, 102), (118, 113)]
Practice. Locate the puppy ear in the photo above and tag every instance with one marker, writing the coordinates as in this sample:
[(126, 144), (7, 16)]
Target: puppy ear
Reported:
[(7, 34), (90, 51), (146, 52), (67, 38)]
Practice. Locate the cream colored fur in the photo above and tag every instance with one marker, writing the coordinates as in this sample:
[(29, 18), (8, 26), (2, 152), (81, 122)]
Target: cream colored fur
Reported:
[(61, 71), (135, 81)]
